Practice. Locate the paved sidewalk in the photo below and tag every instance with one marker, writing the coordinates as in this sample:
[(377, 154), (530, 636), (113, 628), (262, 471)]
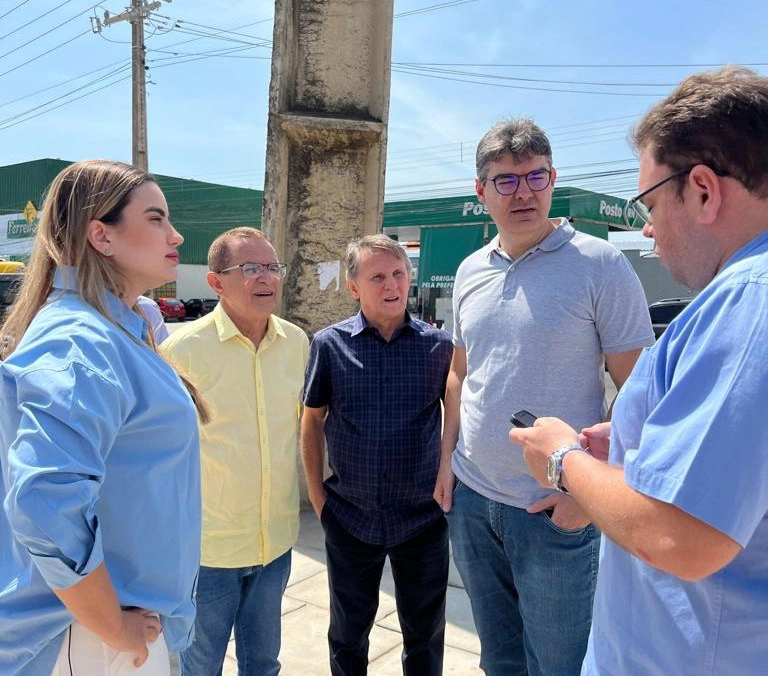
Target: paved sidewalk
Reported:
[(305, 619)]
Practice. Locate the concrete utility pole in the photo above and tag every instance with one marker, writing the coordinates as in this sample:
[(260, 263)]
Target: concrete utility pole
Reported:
[(326, 145), (140, 9)]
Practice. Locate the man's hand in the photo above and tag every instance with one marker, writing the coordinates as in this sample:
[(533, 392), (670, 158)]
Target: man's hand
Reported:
[(540, 441), (318, 501), (566, 513), (597, 439), (138, 628), (446, 482)]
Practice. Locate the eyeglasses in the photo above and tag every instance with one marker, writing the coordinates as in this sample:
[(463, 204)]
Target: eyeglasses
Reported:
[(507, 184), (636, 214), (253, 270)]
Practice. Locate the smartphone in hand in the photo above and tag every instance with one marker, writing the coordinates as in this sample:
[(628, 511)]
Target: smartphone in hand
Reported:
[(523, 419)]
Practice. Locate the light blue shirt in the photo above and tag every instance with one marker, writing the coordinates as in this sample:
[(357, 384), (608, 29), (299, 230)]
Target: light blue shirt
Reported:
[(690, 428), (100, 463), (536, 330)]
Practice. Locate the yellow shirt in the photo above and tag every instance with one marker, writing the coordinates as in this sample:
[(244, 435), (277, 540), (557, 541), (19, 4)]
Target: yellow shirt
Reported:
[(249, 449)]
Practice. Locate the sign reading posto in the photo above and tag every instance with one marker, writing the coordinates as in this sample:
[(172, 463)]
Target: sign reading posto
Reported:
[(474, 209)]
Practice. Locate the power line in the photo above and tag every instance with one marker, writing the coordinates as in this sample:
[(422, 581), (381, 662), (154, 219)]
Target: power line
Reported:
[(63, 23), (39, 56), (24, 2), (577, 65), (540, 80), (230, 31), (61, 84), (226, 53), (30, 117), (510, 86), (29, 23), (202, 30), (183, 42), (432, 8)]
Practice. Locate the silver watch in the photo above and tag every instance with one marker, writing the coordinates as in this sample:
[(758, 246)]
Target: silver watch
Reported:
[(555, 466)]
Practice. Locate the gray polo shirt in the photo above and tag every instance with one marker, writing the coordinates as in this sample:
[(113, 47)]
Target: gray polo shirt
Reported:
[(535, 330)]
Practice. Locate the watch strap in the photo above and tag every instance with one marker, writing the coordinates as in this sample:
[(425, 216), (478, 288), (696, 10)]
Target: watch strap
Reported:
[(558, 456)]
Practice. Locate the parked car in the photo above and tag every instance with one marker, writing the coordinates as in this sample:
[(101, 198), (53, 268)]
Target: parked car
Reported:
[(11, 266), (664, 311), (172, 308), (9, 286), (196, 307)]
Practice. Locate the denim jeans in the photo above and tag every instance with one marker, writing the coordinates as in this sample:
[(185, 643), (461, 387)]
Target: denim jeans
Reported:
[(530, 584), (248, 599), (420, 572)]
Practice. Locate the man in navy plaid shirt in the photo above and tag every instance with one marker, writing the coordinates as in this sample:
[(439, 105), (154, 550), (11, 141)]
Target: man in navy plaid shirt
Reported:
[(373, 390)]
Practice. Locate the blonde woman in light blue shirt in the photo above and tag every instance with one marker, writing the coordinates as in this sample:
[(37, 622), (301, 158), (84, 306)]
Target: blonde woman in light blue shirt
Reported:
[(100, 526)]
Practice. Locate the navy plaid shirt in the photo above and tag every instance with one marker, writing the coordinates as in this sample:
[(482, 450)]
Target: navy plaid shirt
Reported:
[(383, 425)]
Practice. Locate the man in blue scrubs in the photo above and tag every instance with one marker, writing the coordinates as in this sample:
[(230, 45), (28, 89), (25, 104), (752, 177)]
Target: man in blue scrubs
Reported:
[(683, 580)]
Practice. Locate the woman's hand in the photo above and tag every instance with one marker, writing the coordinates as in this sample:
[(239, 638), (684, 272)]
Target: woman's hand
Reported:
[(139, 627)]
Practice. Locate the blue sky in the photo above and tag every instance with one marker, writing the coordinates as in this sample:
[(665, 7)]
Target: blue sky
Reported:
[(207, 111)]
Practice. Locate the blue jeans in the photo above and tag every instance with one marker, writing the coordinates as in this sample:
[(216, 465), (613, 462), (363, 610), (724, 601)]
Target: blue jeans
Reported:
[(248, 599), (530, 584)]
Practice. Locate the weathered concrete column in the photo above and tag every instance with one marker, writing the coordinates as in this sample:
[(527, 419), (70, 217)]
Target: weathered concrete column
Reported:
[(326, 145)]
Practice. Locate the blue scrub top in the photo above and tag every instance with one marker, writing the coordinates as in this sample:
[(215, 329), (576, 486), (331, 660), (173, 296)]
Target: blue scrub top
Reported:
[(689, 428)]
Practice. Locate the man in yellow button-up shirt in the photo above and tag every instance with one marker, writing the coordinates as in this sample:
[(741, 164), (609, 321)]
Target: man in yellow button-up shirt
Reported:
[(249, 366)]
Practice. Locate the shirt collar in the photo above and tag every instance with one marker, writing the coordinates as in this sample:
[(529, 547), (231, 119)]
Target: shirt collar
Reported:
[(745, 251), (360, 324), (65, 279), (226, 328), (563, 233)]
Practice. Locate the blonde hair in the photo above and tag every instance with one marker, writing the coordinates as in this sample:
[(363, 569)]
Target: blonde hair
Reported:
[(82, 192), (95, 189)]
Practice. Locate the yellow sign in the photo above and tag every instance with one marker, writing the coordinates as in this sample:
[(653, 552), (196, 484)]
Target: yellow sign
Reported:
[(30, 213)]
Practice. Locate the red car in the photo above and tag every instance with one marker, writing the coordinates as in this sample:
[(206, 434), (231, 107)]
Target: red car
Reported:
[(172, 308)]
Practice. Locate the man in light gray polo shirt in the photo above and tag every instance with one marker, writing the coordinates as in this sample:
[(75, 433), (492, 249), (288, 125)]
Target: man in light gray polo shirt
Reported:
[(538, 313)]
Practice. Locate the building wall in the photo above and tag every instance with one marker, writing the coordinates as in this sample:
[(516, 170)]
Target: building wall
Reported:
[(655, 278), (191, 283)]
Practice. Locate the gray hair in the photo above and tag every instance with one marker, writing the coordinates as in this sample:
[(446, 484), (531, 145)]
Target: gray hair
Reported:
[(220, 251), (520, 137), (373, 243)]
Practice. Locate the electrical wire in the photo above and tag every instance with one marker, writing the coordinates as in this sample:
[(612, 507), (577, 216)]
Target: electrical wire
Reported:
[(42, 35), (13, 9), (230, 31), (585, 83), (61, 84), (40, 56), (539, 89), (577, 65), (219, 33), (29, 23), (432, 8), (35, 111)]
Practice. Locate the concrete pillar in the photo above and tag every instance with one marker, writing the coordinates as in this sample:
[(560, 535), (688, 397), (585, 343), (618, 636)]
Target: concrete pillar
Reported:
[(326, 146)]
